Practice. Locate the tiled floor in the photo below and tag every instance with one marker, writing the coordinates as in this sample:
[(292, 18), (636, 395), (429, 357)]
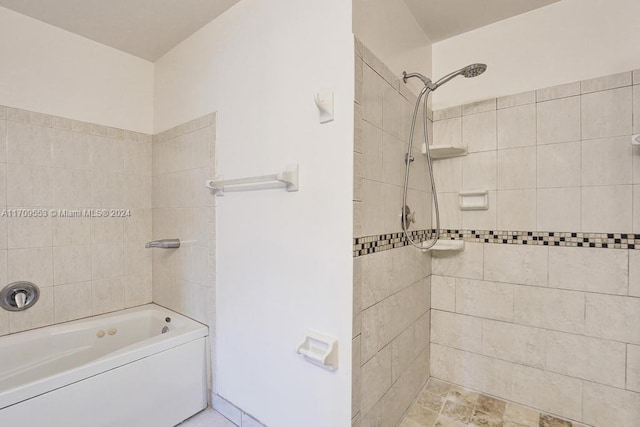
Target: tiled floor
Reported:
[(441, 404), (207, 418)]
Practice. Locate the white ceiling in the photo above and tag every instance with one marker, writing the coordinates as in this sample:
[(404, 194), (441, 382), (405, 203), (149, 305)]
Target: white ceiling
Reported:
[(144, 28), (441, 19)]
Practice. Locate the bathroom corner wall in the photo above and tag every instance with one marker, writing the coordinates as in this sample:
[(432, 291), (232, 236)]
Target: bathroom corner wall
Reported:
[(391, 281), (542, 306), (84, 264), (184, 279)]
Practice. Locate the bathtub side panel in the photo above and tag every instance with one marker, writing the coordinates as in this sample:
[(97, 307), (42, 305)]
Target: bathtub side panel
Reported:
[(158, 391)]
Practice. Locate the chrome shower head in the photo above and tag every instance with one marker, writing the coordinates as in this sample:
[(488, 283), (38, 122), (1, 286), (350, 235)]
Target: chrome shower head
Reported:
[(473, 70)]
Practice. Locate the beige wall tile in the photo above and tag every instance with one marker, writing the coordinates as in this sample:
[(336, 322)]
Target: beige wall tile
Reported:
[(607, 113), (448, 175), (28, 186), (479, 171), (607, 82), (635, 226), (589, 269), (549, 308), (613, 317), (72, 301), (372, 92), (371, 152), (107, 295), (391, 208), (106, 261), (71, 188), (137, 191), (137, 158), (558, 120), (372, 213), (447, 113), (107, 155), (71, 264), (25, 232), (479, 132), (517, 168), (28, 144), (482, 219), (516, 209), (634, 273), (396, 114), (607, 161), (607, 209), (561, 91), (41, 314), (480, 298), (138, 289), (633, 367), (514, 343), (71, 150), (479, 107), (376, 379), (466, 264), (517, 99), (516, 264), (71, 231), (459, 367), (106, 190), (443, 293), (32, 265), (559, 165), (609, 406), (107, 230), (549, 392), (456, 330), (558, 209), (450, 213), (517, 126), (587, 358), (636, 108), (409, 345), (447, 132), (356, 376), (391, 162)]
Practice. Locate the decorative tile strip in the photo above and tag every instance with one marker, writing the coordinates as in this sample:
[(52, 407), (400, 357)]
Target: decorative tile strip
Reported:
[(382, 242)]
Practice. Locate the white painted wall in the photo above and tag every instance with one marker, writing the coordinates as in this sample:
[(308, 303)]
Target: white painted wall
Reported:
[(391, 32), (52, 71), (564, 42), (283, 259)]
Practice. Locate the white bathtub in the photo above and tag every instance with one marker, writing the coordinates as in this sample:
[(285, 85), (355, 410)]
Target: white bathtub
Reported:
[(67, 375)]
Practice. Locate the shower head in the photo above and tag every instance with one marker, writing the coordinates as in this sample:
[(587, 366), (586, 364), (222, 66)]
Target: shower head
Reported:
[(469, 71)]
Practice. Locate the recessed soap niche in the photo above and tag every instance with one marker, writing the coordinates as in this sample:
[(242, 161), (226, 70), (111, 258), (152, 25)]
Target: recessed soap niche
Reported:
[(473, 200)]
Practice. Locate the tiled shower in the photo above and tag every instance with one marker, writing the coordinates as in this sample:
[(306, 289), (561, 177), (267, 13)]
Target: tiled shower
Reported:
[(540, 308)]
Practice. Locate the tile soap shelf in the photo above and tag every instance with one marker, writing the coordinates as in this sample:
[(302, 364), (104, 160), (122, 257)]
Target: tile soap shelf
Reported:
[(444, 151), (287, 179), (446, 245)]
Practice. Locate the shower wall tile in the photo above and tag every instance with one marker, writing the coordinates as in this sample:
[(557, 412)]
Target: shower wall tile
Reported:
[(72, 301), (554, 309), (590, 270), (587, 358), (605, 405), (516, 209), (479, 107), (71, 150), (633, 367), (375, 379), (490, 300), (517, 168), (613, 317), (517, 126), (558, 209), (636, 164), (372, 93), (71, 264), (517, 100), (479, 132), (527, 265), (28, 232), (107, 295), (443, 293), (28, 186), (396, 115), (636, 209), (456, 331), (371, 152), (41, 314), (450, 213), (32, 265), (448, 174), (514, 343), (607, 161), (407, 346), (482, 219), (392, 159), (636, 107), (447, 113), (448, 132), (612, 81), (607, 208), (466, 264), (634, 273), (558, 120), (606, 113), (479, 171), (28, 144), (559, 165)]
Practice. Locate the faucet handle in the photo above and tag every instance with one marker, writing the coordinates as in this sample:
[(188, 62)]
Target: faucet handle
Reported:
[(20, 298)]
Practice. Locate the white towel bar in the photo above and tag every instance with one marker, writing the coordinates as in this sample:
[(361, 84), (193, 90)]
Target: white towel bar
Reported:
[(287, 179)]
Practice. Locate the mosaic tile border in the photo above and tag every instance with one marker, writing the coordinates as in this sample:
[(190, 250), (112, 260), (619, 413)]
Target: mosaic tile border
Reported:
[(371, 244)]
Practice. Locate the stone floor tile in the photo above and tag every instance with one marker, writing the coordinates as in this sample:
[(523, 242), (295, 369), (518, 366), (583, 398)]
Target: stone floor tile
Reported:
[(521, 415), (456, 411), (438, 387), (421, 416), (430, 401), (551, 421), (448, 422), (462, 396), (491, 405)]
